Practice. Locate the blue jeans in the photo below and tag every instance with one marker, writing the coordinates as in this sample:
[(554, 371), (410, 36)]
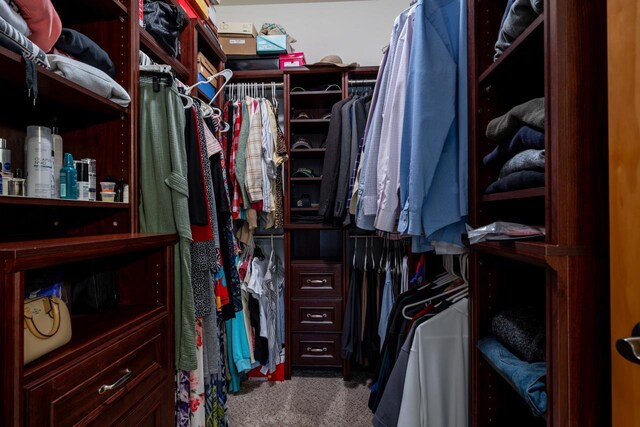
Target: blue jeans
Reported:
[(527, 378)]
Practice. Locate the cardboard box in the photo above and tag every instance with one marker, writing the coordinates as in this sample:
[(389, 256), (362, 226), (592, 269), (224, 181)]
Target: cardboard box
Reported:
[(201, 7), (237, 29), (292, 60), (233, 45), (273, 44), (205, 67)]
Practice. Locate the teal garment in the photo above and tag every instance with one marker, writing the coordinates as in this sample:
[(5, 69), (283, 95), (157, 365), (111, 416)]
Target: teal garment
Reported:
[(241, 156), (164, 195), (237, 350)]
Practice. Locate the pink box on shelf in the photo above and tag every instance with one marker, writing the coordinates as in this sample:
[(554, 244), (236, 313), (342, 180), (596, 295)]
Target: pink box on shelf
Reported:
[(295, 59)]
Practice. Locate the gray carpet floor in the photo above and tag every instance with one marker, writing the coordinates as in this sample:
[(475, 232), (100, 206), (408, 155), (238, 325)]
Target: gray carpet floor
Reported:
[(309, 399)]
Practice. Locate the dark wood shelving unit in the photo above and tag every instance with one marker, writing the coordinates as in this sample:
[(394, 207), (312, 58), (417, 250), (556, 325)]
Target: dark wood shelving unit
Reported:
[(158, 54), (73, 105), (527, 193), (560, 56)]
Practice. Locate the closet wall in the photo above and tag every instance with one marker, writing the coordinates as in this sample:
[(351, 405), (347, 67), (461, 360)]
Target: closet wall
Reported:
[(357, 31)]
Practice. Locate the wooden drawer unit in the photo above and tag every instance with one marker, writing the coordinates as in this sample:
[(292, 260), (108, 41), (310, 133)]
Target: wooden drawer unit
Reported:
[(316, 350), (106, 385), (315, 315), (316, 279)]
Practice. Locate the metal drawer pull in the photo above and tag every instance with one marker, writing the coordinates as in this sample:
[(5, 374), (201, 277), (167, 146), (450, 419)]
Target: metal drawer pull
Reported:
[(316, 316), (317, 350), (125, 377), (316, 282)]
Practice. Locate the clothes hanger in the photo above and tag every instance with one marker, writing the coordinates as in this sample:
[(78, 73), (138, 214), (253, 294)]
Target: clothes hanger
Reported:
[(428, 300)]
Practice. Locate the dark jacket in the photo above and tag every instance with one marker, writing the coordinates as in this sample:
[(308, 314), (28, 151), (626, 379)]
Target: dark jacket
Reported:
[(331, 160)]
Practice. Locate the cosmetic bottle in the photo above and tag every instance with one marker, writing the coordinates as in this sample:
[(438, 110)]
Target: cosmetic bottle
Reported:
[(38, 161), (68, 179)]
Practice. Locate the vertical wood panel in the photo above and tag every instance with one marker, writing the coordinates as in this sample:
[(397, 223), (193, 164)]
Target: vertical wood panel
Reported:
[(624, 205)]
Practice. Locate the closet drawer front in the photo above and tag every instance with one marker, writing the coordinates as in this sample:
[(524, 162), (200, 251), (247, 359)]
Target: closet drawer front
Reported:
[(317, 280), (316, 350), (132, 367), (316, 315)]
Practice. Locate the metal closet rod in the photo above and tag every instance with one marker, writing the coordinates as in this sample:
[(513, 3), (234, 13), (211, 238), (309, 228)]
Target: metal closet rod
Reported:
[(366, 81), (267, 85)]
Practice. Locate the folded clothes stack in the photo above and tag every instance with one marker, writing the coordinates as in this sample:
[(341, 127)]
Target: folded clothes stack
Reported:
[(518, 15), (519, 156), (528, 379), (33, 28)]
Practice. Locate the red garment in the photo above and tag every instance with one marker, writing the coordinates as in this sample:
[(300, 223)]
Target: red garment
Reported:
[(43, 21), (237, 194), (419, 314), (201, 233)]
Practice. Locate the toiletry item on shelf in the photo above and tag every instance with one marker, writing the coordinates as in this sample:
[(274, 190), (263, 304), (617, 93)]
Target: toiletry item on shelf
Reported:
[(58, 155), (5, 156), (16, 184), (38, 161), (108, 196), (119, 190), (125, 194), (83, 180), (5, 167), (91, 168), (68, 179)]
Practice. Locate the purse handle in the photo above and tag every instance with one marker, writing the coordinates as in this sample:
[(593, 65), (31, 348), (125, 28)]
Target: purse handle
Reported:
[(53, 310)]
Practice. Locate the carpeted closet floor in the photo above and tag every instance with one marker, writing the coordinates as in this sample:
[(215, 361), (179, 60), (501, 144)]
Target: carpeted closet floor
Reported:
[(309, 399)]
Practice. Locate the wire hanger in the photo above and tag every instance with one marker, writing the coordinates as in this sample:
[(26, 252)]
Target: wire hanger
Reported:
[(428, 300)]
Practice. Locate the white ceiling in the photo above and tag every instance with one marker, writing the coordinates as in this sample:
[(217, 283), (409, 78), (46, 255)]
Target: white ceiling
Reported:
[(267, 2)]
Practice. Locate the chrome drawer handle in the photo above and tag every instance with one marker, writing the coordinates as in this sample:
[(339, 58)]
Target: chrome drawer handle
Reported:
[(316, 316), (317, 350), (125, 377), (316, 282)]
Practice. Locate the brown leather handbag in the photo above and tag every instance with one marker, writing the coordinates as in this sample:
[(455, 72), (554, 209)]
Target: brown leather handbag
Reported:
[(47, 326)]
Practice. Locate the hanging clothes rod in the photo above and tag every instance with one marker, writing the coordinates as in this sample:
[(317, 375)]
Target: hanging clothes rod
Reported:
[(372, 236), (267, 85), (363, 82)]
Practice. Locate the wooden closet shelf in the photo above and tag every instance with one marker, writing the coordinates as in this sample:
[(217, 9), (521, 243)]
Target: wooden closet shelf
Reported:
[(527, 47), (72, 105), (310, 121), (316, 93), (208, 42), (307, 151), (31, 254), (158, 54), (257, 74), (35, 201), (307, 209), (79, 11), (93, 330), (528, 193), (306, 179), (314, 226), (531, 252)]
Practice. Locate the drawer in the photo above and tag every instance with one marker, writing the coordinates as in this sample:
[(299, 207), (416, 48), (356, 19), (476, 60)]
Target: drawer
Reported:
[(316, 315), (134, 365), (316, 280), (317, 350)]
